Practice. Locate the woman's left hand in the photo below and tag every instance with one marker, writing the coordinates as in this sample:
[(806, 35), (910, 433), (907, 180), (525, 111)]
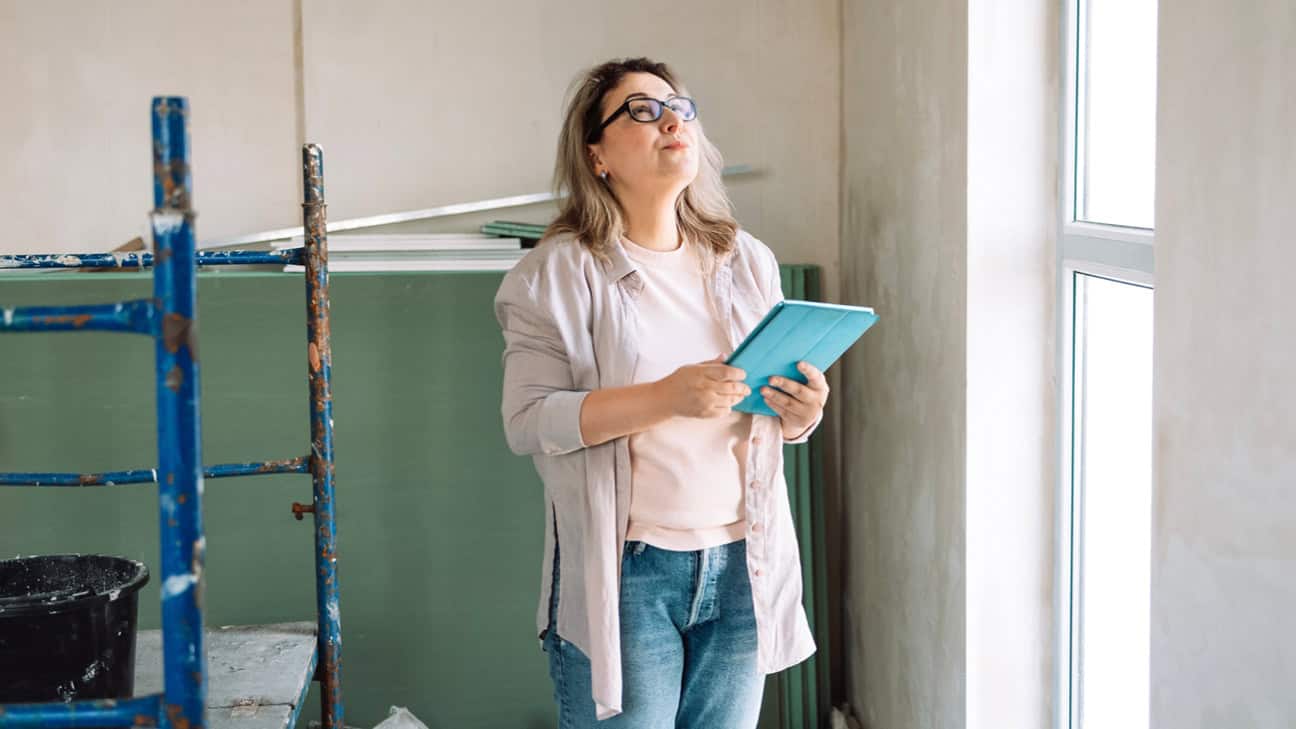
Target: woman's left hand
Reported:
[(798, 405)]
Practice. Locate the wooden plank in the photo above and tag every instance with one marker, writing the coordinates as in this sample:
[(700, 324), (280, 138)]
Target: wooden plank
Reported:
[(276, 716), (256, 674)]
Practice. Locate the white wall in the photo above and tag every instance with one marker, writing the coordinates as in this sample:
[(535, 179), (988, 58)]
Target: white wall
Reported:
[(1012, 472), (949, 222), (415, 104), (1224, 541)]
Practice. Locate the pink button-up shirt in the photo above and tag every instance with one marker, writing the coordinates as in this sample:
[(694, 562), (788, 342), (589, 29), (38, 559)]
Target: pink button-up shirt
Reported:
[(569, 323)]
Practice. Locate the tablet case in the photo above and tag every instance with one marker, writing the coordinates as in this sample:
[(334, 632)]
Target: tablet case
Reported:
[(792, 332)]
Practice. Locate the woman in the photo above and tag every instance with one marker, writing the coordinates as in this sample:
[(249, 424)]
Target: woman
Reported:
[(671, 580)]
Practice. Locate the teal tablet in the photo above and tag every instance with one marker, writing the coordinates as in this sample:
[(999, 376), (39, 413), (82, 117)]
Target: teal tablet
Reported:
[(792, 332)]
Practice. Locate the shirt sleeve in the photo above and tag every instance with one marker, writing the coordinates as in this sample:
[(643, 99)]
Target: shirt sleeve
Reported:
[(540, 405), (805, 435)]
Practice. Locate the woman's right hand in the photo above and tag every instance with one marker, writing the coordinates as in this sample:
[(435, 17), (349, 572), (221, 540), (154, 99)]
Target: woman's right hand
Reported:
[(704, 390)]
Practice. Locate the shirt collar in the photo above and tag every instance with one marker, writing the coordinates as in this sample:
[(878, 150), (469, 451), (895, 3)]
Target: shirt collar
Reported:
[(619, 264)]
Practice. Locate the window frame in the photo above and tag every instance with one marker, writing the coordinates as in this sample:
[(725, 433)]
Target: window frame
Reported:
[(1120, 253)]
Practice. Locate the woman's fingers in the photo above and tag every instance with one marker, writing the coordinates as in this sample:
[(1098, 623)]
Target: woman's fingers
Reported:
[(717, 398), (796, 400), (734, 394), (791, 387), (798, 391), (814, 376), (788, 403), (725, 373), (784, 413), (736, 388)]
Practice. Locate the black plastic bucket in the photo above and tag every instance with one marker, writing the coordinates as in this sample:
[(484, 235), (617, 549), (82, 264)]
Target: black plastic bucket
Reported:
[(67, 627)]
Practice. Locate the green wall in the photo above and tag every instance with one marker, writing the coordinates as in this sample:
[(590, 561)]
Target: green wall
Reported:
[(440, 526)]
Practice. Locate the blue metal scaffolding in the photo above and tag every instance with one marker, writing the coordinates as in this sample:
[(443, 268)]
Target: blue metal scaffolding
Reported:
[(169, 318)]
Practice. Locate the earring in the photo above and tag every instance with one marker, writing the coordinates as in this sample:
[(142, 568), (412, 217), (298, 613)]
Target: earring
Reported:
[(603, 176)]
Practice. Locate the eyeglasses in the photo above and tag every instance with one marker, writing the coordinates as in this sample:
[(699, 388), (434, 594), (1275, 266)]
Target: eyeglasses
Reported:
[(645, 110)]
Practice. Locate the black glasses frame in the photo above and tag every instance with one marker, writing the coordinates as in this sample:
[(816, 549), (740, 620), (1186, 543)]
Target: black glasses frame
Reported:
[(660, 107)]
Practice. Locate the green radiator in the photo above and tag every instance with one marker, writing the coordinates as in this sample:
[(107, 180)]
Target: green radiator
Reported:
[(440, 527)]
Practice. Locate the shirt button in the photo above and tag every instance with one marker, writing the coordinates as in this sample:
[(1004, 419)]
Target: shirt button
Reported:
[(758, 573), (756, 440), (756, 527)]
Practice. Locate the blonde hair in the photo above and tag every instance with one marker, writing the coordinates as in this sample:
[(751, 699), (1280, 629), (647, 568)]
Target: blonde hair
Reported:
[(591, 212)]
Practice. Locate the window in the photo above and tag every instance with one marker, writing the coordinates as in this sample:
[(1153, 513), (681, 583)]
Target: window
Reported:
[(1105, 325), (1116, 112), (1112, 500)]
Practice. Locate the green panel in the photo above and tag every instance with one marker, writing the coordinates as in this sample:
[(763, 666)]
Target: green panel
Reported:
[(819, 584), (802, 690), (808, 561), (440, 527), (794, 686), (818, 576)]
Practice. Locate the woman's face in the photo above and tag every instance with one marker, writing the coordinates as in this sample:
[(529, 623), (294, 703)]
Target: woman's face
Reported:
[(659, 156)]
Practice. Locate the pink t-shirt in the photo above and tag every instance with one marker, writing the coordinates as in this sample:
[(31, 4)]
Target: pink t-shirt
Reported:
[(687, 473)]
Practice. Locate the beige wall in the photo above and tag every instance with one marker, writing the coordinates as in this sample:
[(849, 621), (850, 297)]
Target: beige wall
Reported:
[(949, 221), (415, 104), (1223, 543), (77, 78), (418, 106), (904, 252)]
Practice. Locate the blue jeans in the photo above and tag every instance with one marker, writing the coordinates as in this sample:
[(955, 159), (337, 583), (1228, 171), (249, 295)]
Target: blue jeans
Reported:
[(688, 645)]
